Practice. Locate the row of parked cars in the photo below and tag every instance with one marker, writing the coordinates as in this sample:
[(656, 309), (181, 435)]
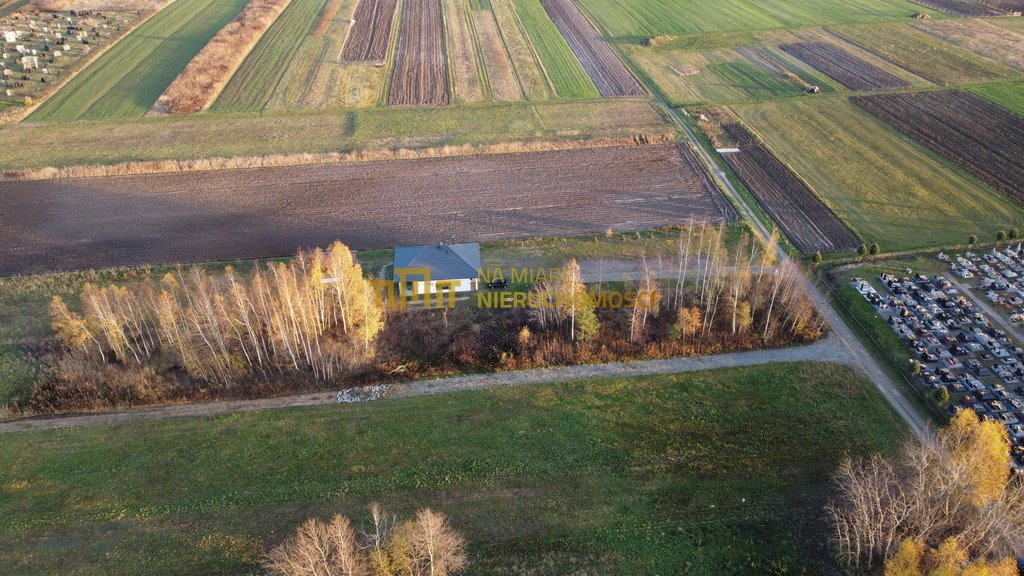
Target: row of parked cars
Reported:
[(956, 347)]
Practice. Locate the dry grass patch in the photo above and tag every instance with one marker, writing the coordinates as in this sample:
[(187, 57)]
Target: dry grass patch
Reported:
[(500, 73), (207, 74), (281, 160), (466, 82)]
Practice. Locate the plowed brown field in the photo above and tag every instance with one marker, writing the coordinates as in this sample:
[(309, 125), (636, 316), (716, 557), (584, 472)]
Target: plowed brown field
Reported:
[(371, 32), (261, 212), (847, 69), (421, 72)]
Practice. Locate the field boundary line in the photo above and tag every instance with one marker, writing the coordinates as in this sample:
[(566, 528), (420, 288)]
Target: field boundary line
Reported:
[(27, 110), (508, 53)]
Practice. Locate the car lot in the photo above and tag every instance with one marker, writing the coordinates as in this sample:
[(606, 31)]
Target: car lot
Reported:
[(956, 347)]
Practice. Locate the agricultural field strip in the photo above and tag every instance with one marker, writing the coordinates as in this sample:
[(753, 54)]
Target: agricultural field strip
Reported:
[(807, 222), (466, 78), (959, 7), (981, 37), (420, 75), (925, 55), (563, 69), (263, 212), (849, 70), (609, 74), (370, 35), (969, 131), (128, 77), (254, 83)]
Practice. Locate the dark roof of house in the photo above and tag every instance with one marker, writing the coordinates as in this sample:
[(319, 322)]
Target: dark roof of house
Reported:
[(445, 261)]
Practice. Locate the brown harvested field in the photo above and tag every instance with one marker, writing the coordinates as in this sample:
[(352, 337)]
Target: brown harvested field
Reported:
[(845, 68), (609, 74), (959, 7), (370, 35), (982, 37), (807, 222), (501, 74), (223, 215), (969, 131), (420, 76)]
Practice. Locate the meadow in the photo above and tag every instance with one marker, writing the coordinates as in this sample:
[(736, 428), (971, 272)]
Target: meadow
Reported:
[(255, 81), (886, 187), (720, 472), (635, 19), (927, 56), (564, 70), (1009, 96), (211, 135), (126, 80)]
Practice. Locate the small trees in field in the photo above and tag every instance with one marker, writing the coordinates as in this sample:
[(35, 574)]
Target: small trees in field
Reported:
[(426, 546), (316, 314), (948, 502)]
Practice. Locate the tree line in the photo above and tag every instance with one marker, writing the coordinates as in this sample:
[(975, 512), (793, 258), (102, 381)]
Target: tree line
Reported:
[(316, 313)]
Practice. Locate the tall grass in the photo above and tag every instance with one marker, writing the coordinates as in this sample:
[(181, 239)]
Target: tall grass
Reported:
[(206, 75)]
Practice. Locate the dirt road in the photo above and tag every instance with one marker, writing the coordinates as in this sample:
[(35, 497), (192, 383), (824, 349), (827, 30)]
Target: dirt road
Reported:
[(828, 349)]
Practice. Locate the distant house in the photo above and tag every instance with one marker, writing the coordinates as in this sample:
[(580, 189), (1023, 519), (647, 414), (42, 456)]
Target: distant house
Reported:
[(457, 263)]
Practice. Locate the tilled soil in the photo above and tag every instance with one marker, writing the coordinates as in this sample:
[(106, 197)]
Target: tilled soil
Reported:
[(807, 222), (847, 69), (420, 77), (232, 214), (371, 32)]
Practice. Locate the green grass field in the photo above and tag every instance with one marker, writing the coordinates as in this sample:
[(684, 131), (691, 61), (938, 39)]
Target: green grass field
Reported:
[(1009, 96), (632, 19), (127, 79), (624, 476), (211, 135), (927, 55), (564, 69), (255, 81), (887, 187)]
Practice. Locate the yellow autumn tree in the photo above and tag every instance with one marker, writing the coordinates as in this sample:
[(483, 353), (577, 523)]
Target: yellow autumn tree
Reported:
[(984, 447), (907, 560)]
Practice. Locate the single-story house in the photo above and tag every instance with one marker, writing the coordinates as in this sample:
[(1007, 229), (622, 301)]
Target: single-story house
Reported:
[(456, 263)]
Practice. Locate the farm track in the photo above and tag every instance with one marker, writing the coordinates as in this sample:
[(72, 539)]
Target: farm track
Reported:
[(371, 33), (420, 77), (849, 70), (969, 131), (807, 222), (609, 74), (262, 212)]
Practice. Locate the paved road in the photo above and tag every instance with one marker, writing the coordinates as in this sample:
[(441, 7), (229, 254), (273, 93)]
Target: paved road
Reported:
[(863, 358), (828, 349)]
